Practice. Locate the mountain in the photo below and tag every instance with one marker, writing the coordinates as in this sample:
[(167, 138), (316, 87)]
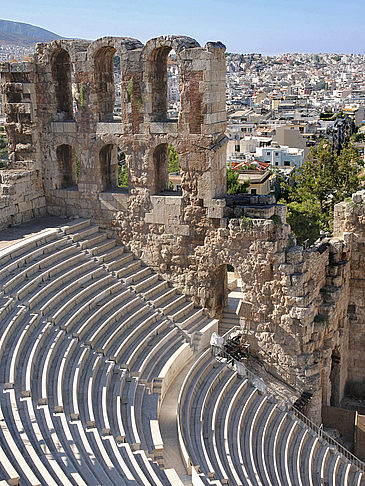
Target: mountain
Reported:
[(21, 34)]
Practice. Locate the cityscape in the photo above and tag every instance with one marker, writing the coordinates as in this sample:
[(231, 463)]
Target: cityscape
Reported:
[(182, 245), (284, 103)]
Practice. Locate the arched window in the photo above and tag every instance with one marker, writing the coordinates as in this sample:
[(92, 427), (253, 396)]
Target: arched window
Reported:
[(173, 87), (173, 170), (166, 170), (67, 167), (123, 174), (165, 82), (117, 88), (160, 165), (61, 74), (105, 62), (109, 167)]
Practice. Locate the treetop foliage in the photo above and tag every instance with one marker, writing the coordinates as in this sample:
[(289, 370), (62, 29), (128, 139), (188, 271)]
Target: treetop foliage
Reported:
[(324, 180), (173, 160), (233, 185)]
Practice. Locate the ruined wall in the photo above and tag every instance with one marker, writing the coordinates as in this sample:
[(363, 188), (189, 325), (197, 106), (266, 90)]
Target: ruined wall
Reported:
[(21, 189), (350, 225), (21, 197), (303, 308)]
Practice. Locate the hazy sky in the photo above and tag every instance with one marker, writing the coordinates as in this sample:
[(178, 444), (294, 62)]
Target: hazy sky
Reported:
[(265, 26)]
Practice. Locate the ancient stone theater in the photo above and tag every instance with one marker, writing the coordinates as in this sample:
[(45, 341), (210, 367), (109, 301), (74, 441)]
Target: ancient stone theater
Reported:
[(121, 359)]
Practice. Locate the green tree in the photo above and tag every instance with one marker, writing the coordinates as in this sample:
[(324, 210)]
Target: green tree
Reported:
[(306, 220), (323, 180), (122, 175), (358, 137), (233, 185), (173, 160)]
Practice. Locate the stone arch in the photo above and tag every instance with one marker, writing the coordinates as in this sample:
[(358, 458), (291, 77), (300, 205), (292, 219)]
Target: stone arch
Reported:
[(108, 167), (157, 71), (104, 82), (123, 176), (62, 79), (160, 168), (156, 55), (66, 165), (102, 52)]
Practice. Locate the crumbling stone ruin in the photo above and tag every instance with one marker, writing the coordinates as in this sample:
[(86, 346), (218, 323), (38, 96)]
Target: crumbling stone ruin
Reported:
[(303, 309)]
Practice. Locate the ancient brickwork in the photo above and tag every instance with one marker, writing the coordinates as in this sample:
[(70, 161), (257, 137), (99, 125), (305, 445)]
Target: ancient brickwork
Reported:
[(21, 190), (21, 197), (350, 225), (302, 309)]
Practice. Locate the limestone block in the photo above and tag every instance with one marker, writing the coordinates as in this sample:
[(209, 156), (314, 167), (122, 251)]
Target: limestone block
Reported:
[(69, 127), (105, 128), (245, 309), (173, 211), (182, 230), (215, 212), (299, 279), (294, 254), (57, 127), (301, 313), (163, 127), (287, 268), (357, 197), (154, 218)]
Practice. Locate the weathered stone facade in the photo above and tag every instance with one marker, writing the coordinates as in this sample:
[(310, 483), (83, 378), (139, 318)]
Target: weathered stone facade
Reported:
[(303, 310)]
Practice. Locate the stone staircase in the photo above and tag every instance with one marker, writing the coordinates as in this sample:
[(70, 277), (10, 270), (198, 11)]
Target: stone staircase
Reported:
[(228, 321)]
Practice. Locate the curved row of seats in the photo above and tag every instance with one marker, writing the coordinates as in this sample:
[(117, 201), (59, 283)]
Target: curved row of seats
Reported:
[(90, 342), (231, 433)]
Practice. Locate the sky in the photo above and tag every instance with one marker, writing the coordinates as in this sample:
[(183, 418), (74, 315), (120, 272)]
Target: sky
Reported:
[(262, 26)]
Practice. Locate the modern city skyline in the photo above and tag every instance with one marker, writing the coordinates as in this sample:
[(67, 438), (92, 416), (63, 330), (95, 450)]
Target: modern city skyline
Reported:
[(265, 26)]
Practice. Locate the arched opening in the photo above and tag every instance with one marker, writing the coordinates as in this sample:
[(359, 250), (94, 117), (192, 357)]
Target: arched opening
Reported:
[(123, 172), (166, 175), (68, 168), (108, 167), (335, 378), (165, 84), (117, 88), (104, 83), (227, 294), (62, 78), (173, 170), (173, 86), (160, 165)]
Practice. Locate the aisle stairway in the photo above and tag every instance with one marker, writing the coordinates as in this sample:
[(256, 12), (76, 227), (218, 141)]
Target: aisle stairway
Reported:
[(229, 317), (231, 433), (90, 341)]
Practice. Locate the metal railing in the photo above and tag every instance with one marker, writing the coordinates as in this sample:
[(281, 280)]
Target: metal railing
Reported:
[(219, 352)]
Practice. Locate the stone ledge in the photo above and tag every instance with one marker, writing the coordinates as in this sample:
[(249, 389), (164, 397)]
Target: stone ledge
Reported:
[(163, 127), (112, 127), (63, 126)]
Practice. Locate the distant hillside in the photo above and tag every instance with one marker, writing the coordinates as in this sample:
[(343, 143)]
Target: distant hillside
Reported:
[(18, 33)]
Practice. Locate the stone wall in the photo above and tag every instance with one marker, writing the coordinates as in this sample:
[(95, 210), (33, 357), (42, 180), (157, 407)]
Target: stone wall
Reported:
[(350, 225), (303, 308), (360, 437), (20, 197), (21, 188)]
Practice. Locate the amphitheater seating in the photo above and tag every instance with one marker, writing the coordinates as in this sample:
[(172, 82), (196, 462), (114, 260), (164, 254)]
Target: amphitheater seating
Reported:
[(231, 433), (85, 349), (90, 342)]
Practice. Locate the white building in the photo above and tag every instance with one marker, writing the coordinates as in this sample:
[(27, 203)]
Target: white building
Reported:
[(280, 156)]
